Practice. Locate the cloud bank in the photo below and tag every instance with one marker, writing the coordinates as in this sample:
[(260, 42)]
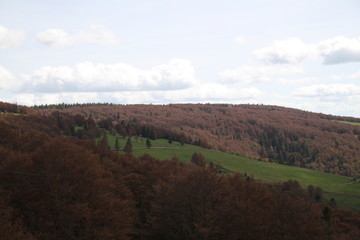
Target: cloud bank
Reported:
[(340, 50), (336, 50), (288, 51), (7, 79), (172, 82), (95, 34), (198, 94), (99, 77)]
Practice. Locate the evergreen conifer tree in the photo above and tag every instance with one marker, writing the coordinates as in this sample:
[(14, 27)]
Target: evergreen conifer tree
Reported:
[(117, 144), (128, 146), (148, 143)]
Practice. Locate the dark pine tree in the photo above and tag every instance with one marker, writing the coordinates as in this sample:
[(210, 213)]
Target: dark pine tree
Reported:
[(148, 143), (117, 144), (128, 146)]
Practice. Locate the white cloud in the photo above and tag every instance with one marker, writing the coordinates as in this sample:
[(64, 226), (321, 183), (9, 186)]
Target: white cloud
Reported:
[(99, 77), (330, 90), (291, 50), (340, 50), (54, 98), (7, 80), (210, 92), (240, 40), (55, 37), (336, 50), (95, 34), (10, 38), (251, 74)]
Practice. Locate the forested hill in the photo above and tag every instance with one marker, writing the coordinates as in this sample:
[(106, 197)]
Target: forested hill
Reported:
[(271, 133), (54, 186)]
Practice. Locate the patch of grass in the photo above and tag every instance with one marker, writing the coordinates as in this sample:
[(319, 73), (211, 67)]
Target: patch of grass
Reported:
[(346, 194), (11, 113), (139, 143), (76, 128), (351, 123)]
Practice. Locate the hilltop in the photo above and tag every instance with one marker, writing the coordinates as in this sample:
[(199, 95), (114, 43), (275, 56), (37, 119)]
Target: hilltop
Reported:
[(271, 133)]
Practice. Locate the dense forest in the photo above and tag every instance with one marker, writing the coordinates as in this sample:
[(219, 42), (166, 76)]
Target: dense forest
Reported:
[(56, 182), (270, 133)]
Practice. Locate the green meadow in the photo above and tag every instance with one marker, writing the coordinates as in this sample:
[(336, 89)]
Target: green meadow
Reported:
[(345, 192), (351, 123)]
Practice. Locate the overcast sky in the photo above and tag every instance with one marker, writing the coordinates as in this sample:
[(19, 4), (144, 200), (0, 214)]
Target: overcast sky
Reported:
[(302, 54)]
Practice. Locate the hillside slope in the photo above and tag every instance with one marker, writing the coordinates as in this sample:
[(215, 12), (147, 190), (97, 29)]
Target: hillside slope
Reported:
[(57, 187), (271, 133)]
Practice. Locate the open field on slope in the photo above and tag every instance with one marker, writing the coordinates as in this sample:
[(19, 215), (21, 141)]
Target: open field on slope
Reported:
[(351, 123), (346, 194)]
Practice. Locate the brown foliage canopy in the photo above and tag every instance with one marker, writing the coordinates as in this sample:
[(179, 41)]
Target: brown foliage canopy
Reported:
[(56, 187), (270, 133), (14, 108)]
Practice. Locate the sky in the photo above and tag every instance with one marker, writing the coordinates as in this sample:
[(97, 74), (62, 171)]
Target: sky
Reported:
[(300, 54)]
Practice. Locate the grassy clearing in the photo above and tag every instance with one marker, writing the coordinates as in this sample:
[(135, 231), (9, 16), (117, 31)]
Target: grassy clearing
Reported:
[(345, 193), (11, 113), (351, 123), (76, 128)]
